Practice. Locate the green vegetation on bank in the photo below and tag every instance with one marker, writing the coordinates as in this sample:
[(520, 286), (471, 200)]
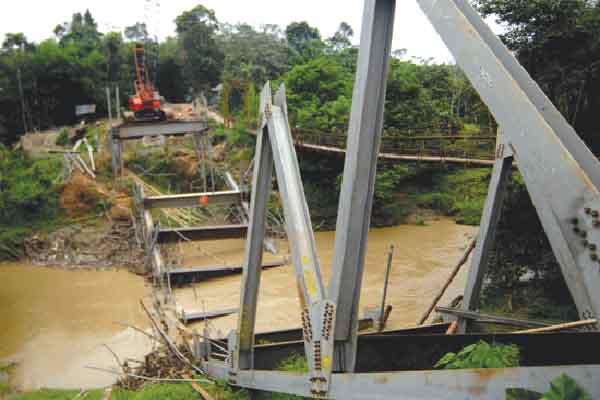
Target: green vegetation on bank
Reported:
[(28, 198), (53, 394)]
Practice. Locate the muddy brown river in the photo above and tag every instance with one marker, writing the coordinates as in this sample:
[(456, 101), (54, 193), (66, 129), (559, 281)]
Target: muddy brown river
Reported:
[(55, 323)]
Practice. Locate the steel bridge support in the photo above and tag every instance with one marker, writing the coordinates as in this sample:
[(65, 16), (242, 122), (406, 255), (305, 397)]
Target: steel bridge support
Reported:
[(487, 228), (261, 185), (356, 198), (559, 170)]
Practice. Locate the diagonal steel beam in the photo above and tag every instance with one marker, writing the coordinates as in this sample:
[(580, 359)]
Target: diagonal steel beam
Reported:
[(586, 159), (297, 219), (356, 198), (261, 185), (562, 191)]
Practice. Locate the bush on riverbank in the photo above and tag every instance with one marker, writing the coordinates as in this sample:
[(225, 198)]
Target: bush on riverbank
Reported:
[(29, 191)]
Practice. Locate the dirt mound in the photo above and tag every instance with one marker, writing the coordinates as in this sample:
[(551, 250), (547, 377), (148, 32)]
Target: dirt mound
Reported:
[(121, 206), (81, 194), (186, 164)]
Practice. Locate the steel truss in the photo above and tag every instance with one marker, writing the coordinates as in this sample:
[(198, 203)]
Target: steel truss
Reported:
[(560, 172)]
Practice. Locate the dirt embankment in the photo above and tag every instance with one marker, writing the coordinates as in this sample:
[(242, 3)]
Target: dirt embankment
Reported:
[(87, 242)]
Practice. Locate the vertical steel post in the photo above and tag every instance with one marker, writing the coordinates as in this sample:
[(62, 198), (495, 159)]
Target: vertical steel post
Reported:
[(356, 198), (109, 105), (385, 288), (118, 101), (489, 223), (113, 143), (261, 183)]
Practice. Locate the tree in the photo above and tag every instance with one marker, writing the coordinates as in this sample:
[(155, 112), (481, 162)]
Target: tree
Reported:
[(254, 55), (15, 41), (112, 43), (198, 15), (558, 42), (298, 33), (305, 41), (171, 82), (341, 39), (82, 31), (203, 59), (319, 95)]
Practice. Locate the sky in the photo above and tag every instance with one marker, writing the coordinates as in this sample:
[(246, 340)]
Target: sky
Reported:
[(413, 32)]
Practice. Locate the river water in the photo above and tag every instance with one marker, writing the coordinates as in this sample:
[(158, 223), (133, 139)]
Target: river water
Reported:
[(423, 259), (55, 322)]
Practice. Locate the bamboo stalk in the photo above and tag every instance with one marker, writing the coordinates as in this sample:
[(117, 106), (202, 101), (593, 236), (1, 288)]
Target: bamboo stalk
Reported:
[(561, 327), (453, 274)]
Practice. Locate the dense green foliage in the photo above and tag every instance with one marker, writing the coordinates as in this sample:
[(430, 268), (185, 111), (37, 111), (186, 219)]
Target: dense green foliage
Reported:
[(481, 355), (28, 198), (558, 42), (562, 388), (28, 188)]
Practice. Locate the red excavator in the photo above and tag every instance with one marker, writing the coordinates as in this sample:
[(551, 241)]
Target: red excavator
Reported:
[(145, 103)]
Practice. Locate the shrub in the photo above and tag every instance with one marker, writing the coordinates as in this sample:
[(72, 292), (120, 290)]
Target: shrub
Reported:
[(63, 137), (482, 355), (562, 388)]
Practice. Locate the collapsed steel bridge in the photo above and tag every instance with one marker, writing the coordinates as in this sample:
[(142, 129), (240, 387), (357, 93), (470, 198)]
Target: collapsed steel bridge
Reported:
[(561, 174)]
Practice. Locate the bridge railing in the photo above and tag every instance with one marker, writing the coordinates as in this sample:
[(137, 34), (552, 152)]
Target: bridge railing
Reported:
[(480, 146)]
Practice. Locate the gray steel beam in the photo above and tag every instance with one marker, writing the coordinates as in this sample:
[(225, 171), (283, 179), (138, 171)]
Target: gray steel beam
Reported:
[(261, 188), (356, 198), (221, 269), (488, 384), (318, 314), (487, 227), (193, 200), (192, 316), (559, 187), (297, 219), (148, 230), (201, 233), (168, 128)]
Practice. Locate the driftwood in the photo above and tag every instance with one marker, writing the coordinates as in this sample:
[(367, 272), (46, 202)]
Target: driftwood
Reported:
[(453, 274), (491, 319), (168, 342), (146, 378), (561, 327), (199, 389), (452, 328)]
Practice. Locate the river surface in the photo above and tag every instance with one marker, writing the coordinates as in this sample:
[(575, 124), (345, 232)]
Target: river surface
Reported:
[(55, 322), (423, 259)]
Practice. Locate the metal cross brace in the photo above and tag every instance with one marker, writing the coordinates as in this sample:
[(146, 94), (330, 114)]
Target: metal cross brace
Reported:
[(275, 147)]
